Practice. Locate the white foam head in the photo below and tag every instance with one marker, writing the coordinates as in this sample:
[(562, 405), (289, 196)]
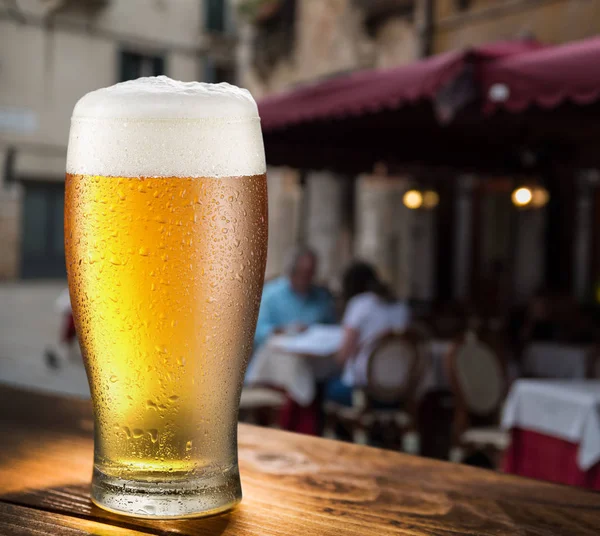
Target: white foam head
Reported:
[(158, 127)]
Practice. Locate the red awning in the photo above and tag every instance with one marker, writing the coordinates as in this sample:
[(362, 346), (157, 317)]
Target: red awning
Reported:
[(546, 78), (370, 91), (349, 123)]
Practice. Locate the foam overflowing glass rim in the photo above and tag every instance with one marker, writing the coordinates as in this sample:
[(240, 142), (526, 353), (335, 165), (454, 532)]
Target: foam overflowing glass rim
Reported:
[(156, 127)]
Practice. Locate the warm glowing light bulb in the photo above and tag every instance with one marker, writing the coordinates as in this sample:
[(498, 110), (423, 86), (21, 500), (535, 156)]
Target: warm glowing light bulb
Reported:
[(521, 197), (412, 199), (431, 199), (540, 197)]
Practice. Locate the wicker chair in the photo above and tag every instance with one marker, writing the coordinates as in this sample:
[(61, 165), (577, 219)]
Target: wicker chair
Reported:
[(394, 370), (261, 405), (478, 380)]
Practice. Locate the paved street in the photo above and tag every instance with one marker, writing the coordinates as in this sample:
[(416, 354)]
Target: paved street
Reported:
[(29, 323)]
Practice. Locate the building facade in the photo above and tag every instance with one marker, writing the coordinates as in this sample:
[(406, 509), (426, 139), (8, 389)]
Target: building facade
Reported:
[(424, 254), (52, 53)]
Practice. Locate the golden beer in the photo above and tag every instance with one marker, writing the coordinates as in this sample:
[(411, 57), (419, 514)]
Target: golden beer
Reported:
[(165, 275)]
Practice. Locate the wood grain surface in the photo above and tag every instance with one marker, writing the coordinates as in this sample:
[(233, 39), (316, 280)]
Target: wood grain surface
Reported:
[(292, 484)]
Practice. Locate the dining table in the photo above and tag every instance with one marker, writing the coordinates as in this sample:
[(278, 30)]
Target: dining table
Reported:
[(555, 430), (296, 368), (292, 484), (296, 364)]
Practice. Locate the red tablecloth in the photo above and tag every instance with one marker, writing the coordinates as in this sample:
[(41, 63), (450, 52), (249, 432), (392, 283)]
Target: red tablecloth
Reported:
[(540, 456)]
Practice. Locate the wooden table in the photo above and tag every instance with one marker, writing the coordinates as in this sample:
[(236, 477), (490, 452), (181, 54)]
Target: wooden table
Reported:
[(292, 485)]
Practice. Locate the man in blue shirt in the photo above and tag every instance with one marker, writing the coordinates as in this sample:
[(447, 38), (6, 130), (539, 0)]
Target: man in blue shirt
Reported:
[(293, 302)]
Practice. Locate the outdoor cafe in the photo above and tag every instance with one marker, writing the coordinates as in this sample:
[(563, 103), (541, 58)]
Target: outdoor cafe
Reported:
[(438, 394)]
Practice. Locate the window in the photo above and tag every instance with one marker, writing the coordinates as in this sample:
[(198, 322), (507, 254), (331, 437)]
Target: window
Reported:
[(215, 16), (42, 242), (135, 65)]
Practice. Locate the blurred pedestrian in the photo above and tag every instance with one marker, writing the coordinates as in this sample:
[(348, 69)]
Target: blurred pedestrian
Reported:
[(67, 348)]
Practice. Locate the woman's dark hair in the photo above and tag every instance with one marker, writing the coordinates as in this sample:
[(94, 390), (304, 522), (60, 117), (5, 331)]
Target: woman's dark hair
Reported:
[(361, 277)]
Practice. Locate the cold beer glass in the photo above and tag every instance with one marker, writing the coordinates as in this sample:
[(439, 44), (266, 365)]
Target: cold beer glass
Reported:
[(166, 235)]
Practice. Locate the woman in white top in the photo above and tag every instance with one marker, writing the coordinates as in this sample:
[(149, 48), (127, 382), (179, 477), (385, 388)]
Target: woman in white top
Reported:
[(371, 311)]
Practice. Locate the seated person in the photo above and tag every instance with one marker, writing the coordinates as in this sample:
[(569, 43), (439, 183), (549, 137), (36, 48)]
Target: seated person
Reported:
[(293, 302), (371, 311)]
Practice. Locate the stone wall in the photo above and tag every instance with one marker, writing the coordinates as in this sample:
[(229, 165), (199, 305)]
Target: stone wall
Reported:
[(395, 43), (330, 39), (50, 59), (550, 21)]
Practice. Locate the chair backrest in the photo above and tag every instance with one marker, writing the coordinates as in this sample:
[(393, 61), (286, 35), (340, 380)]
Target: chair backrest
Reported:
[(394, 367), (477, 376)]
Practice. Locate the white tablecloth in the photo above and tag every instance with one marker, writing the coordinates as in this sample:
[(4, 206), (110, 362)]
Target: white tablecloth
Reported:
[(320, 340), (298, 374), (568, 410), (551, 360)]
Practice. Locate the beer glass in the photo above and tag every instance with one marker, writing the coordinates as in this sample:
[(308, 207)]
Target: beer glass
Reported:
[(166, 235)]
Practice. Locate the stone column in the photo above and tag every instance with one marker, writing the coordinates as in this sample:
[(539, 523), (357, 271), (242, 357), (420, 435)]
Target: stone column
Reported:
[(529, 253), (463, 236), (582, 251), (383, 230), (422, 254), (325, 225), (284, 214)]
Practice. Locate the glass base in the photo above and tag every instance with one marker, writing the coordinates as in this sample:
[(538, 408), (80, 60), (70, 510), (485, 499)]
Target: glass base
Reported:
[(193, 497)]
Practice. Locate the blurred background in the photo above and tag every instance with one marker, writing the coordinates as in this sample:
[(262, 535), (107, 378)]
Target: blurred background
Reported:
[(443, 223)]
